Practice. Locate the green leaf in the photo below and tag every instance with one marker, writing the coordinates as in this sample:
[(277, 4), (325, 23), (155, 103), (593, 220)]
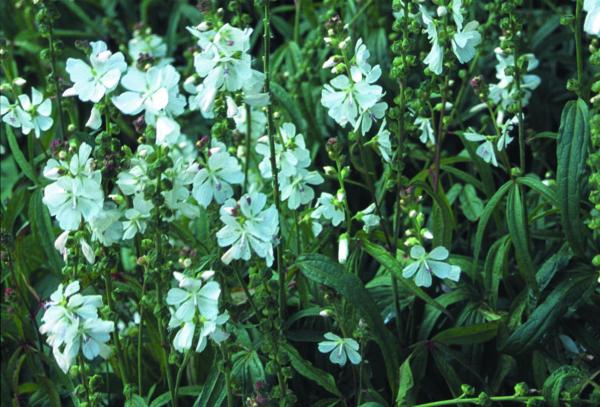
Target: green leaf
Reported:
[(493, 268), (406, 384), (22, 162), (282, 97), (42, 228), (555, 263), (516, 219), (322, 270), (468, 335), (136, 401), (444, 222), (547, 314), (537, 185), (213, 392), (470, 203), (395, 268), (571, 152), (306, 369), (489, 209)]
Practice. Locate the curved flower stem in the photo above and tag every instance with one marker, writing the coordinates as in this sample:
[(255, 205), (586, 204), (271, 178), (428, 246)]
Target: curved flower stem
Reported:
[(186, 359)]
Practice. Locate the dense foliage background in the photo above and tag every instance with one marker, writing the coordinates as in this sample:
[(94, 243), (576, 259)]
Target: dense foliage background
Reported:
[(520, 325)]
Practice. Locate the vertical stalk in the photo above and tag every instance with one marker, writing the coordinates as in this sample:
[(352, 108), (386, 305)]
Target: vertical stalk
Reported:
[(83, 379), (248, 145), (578, 46), (186, 359), (120, 354), (297, 20), (271, 136), (139, 338), (61, 118)]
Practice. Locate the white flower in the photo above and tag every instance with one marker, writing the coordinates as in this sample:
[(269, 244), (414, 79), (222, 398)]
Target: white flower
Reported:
[(95, 120), (485, 149), (248, 226), (13, 114), (137, 217), (505, 91), (505, 138), (465, 41), (76, 194), (426, 264), (330, 207), (343, 248), (38, 112), (192, 296), (368, 218), (427, 134), (146, 44), (290, 157), (148, 90), (296, 190), (224, 63), (215, 179), (134, 180), (435, 59), (346, 97), (384, 143), (71, 322), (91, 83), (105, 226), (196, 303), (181, 176), (341, 349), (258, 121), (368, 116), (591, 24)]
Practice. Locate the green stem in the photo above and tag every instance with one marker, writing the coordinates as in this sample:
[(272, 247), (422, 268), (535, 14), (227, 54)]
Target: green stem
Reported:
[(165, 361), (359, 13), (139, 338), (271, 137), (297, 20), (83, 379), (109, 302), (61, 118), (476, 400), (579, 46), (248, 146), (186, 359)]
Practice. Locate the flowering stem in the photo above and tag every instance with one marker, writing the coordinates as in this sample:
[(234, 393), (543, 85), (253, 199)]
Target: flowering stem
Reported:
[(109, 290), (61, 119), (297, 20), (578, 45), (271, 136), (248, 146), (440, 136), (476, 400), (139, 338), (165, 361), (83, 379)]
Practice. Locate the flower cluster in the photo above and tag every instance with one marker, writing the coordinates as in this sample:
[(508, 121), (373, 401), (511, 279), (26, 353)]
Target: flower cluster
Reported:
[(71, 324), (28, 113)]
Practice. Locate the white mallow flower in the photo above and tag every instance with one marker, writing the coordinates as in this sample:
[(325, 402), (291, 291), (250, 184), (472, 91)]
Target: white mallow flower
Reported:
[(248, 227), (330, 207), (76, 194), (591, 24), (177, 198), (369, 219), (214, 180), (369, 116), (425, 264), (38, 112), (505, 91), (209, 328), (505, 139), (296, 189), (137, 217), (71, 322), (347, 97), (426, 129), (13, 114), (146, 43), (340, 349), (384, 144), (343, 248), (147, 91), (105, 226), (258, 121), (486, 149), (91, 337), (133, 180), (290, 157), (91, 83), (464, 41), (223, 63), (192, 296)]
